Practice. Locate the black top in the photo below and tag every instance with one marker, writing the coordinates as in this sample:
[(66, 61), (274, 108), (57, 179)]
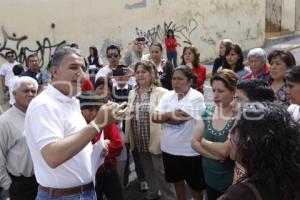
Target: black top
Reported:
[(166, 75), (217, 64), (41, 77), (243, 191), (120, 95)]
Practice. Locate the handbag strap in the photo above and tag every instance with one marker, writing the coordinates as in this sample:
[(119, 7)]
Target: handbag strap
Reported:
[(254, 190)]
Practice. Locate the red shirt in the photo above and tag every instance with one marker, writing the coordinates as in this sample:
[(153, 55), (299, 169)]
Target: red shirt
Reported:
[(115, 146), (171, 44), (264, 75), (87, 85), (200, 72)]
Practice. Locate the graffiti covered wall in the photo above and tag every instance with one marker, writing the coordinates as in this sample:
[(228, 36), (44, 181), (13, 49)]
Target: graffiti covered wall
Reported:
[(41, 26)]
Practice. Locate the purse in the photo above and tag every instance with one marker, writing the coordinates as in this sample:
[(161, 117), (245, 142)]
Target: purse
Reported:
[(253, 188)]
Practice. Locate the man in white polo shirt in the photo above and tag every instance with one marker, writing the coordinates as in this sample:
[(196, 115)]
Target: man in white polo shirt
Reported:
[(6, 72), (57, 134)]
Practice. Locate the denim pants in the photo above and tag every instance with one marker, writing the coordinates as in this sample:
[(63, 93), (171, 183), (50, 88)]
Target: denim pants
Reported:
[(172, 57), (85, 195)]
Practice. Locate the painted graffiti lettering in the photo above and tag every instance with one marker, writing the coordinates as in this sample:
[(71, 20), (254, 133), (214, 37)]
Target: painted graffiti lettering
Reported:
[(182, 32), (44, 48)]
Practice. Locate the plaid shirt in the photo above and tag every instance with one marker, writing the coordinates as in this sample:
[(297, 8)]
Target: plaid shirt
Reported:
[(140, 121)]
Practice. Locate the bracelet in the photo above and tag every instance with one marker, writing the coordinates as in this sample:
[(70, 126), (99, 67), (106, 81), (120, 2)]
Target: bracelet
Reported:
[(94, 125)]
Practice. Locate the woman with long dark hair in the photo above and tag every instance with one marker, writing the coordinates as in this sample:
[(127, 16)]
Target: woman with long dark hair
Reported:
[(266, 141), (235, 61), (94, 63), (163, 67), (220, 60), (171, 44)]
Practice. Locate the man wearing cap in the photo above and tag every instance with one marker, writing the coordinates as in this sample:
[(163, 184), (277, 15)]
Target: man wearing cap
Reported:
[(107, 178), (60, 143), (121, 88), (16, 167), (135, 53)]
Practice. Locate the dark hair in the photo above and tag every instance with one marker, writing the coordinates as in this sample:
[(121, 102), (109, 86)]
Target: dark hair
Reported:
[(293, 74), (149, 66), (187, 72), (60, 53), (227, 77), (170, 31), (256, 90), (74, 45), (269, 148), (196, 53), (94, 50), (10, 52), (240, 63), (89, 99), (286, 56), (104, 81), (156, 44), (31, 56), (18, 69), (113, 47)]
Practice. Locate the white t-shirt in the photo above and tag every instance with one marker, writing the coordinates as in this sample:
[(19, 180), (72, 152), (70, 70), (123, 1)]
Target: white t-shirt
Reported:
[(294, 110), (103, 72), (6, 70), (11, 84), (52, 116), (176, 139)]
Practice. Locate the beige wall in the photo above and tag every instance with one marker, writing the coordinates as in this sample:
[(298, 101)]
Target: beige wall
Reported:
[(282, 13), (101, 22)]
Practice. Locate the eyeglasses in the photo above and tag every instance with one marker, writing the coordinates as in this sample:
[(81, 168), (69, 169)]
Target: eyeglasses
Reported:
[(112, 55)]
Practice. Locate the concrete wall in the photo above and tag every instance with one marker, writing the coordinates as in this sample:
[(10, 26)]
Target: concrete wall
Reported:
[(274, 11), (41, 25), (282, 13), (289, 15), (297, 8)]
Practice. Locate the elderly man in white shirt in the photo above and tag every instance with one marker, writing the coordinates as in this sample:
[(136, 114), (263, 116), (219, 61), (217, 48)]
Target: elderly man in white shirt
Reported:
[(16, 168), (60, 143)]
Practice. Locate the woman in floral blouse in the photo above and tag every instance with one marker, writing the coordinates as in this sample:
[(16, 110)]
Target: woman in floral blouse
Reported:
[(280, 61)]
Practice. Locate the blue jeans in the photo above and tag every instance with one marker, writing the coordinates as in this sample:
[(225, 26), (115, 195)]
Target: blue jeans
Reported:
[(85, 195), (172, 57)]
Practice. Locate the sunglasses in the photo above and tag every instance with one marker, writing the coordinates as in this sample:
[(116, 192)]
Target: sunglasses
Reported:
[(112, 55)]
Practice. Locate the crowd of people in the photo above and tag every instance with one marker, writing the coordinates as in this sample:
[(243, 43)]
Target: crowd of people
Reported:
[(243, 145)]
